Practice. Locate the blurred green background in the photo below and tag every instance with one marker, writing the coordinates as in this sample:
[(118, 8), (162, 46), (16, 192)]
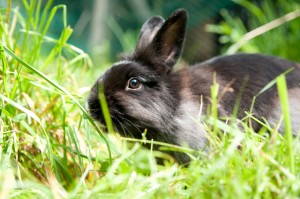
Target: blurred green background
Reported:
[(115, 24), (106, 28)]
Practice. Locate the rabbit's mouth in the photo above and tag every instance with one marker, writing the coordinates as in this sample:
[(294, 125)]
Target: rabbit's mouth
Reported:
[(123, 124)]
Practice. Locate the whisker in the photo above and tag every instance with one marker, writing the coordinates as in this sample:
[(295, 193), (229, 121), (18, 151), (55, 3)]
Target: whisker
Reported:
[(132, 124), (125, 129), (121, 127)]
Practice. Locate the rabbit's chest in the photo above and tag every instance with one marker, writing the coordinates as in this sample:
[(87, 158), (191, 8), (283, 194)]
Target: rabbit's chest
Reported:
[(189, 128)]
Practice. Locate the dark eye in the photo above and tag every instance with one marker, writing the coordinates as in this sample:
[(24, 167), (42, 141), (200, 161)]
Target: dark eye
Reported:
[(134, 83)]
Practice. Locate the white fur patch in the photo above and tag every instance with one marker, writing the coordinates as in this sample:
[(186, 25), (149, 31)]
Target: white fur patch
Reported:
[(190, 133), (294, 108), (123, 62)]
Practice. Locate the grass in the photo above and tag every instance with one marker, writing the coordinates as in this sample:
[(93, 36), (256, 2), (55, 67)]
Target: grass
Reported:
[(262, 24), (51, 148)]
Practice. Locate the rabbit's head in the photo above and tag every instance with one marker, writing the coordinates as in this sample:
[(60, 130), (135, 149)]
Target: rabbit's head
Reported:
[(139, 90)]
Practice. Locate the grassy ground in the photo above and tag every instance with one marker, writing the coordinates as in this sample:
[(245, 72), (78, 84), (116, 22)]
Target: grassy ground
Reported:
[(50, 147)]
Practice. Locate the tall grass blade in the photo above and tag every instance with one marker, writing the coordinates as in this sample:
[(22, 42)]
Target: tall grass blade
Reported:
[(105, 109), (283, 97), (20, 107), (59, 87), (4, 70)]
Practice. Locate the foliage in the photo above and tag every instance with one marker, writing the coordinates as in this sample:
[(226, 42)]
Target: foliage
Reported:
[(269, 27), (50, 147)]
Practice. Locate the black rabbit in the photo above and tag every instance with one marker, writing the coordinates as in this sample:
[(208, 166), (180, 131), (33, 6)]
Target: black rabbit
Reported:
[(143, 92)]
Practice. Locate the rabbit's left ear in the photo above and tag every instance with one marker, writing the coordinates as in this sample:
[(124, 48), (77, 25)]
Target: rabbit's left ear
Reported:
[(168, 42), (148, 31)]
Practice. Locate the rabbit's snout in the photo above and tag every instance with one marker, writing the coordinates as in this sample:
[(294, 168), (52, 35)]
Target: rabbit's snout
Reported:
[(94, 101)]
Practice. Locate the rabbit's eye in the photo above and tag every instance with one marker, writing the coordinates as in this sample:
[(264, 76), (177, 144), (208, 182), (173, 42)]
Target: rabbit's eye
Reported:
[(134, 83)]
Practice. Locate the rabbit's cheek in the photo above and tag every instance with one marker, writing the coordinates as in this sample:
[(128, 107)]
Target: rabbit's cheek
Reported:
[(146, 111), (294, 107)]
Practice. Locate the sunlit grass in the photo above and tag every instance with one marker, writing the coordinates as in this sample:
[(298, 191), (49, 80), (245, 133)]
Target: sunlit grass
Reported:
[(51, 148)]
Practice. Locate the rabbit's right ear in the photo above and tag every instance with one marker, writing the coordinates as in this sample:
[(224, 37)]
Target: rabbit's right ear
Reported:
[(148, 31), (161, 42)]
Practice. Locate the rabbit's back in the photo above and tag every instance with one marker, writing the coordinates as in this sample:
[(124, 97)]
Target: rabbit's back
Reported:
[(243, 76)]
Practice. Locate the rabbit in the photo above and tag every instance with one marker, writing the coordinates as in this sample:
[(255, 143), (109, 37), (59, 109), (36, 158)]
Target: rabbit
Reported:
[(144, 92)]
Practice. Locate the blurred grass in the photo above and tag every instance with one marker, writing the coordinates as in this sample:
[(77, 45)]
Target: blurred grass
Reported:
[(269, 27), (50, 147)]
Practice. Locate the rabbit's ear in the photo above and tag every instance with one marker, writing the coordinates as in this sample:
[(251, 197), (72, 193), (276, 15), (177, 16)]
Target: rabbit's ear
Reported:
[(148, 31), (167, 43)]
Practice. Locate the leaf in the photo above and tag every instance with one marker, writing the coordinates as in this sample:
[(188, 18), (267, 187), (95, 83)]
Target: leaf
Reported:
[(19, 117), (20, 107)]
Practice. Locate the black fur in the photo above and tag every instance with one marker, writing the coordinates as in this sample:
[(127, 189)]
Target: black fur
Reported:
[(166, 98), (253, 70)]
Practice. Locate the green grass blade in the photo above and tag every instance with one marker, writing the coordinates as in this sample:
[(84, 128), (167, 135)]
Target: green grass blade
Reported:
[(283, 97), (4, 70), (214, 102), (59, 87), (105, 109), (273, 82), (20, 107), (61, 42)]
